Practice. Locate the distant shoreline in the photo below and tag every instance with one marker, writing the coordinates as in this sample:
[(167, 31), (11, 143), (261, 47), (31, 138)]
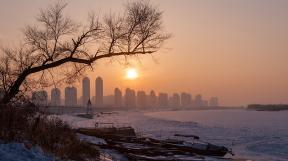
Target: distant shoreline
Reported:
[(269, 107), (70, 110)]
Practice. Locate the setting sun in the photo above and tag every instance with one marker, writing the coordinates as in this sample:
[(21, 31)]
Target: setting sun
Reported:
[(131, 73)]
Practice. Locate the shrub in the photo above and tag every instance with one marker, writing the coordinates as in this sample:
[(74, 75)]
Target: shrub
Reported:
[(54, 136)]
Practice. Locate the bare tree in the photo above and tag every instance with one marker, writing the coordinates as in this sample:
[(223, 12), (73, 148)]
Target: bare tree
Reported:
[(58, 44)]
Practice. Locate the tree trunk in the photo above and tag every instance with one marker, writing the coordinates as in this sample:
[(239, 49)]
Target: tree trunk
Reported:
[(13, 91)]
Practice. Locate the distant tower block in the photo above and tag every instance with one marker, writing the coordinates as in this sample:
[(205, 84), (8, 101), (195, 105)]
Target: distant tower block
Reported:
[(186, 99), (127, 97), (198, 100), (99, 91), (55, 97), (130, 99), (152, 101), (85, 91), (214, 102), (117, 97), (163, 100), (141, 99), (70, 96), (133, 98), (175, 100)]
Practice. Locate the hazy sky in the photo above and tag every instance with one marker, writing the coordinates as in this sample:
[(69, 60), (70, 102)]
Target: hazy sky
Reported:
[(234, 49)]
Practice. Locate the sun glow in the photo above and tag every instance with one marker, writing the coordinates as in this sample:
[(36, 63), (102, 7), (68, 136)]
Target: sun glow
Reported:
[(131, 73)]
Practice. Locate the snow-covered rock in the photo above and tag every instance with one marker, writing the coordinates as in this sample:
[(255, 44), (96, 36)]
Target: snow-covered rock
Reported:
[(91, 139)]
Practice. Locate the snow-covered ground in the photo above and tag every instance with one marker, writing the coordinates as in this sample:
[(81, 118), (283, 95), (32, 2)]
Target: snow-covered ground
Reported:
[(18, 152), (251, 134)]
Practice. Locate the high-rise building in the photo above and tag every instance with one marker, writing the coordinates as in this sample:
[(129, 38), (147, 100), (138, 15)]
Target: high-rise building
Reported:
[(163, 100), (175, 100), (99, 91), (186, 99), (198, 101), (55, 97), (130, 99), (152, 100), (40, 98), (70, 96), (127, 97), (214, 102), (85, 91), (133, 98), (141, 99), (117, 97)]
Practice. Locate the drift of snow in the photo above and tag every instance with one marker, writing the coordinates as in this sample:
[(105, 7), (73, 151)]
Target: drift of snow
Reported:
[(18, 152)]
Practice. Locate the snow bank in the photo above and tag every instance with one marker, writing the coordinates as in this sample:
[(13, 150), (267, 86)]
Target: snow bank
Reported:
[(18, 152)]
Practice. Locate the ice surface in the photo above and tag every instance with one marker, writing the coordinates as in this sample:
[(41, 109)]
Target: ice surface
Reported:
[(251, 134)]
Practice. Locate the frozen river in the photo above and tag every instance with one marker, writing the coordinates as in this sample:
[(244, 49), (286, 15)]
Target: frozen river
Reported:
[(251, 134)]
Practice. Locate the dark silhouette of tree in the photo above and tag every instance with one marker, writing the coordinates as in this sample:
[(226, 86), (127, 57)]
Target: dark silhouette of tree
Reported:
[(58, 44)]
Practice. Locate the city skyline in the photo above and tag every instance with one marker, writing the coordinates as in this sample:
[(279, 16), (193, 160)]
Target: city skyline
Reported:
[(128, 98)]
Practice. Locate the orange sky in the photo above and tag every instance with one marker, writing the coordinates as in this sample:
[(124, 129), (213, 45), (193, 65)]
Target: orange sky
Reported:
[(236, 50)]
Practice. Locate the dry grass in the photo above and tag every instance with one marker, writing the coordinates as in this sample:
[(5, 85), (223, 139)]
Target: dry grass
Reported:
[(24, 124)]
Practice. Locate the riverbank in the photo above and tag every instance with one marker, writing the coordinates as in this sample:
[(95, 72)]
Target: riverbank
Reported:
[(265, 139)]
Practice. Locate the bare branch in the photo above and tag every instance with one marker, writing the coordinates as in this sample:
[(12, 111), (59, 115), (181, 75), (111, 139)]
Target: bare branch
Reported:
[(56, 41)]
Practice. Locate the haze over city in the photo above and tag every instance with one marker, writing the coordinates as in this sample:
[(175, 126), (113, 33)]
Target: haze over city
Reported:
[(231, 49), (121, 99)]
